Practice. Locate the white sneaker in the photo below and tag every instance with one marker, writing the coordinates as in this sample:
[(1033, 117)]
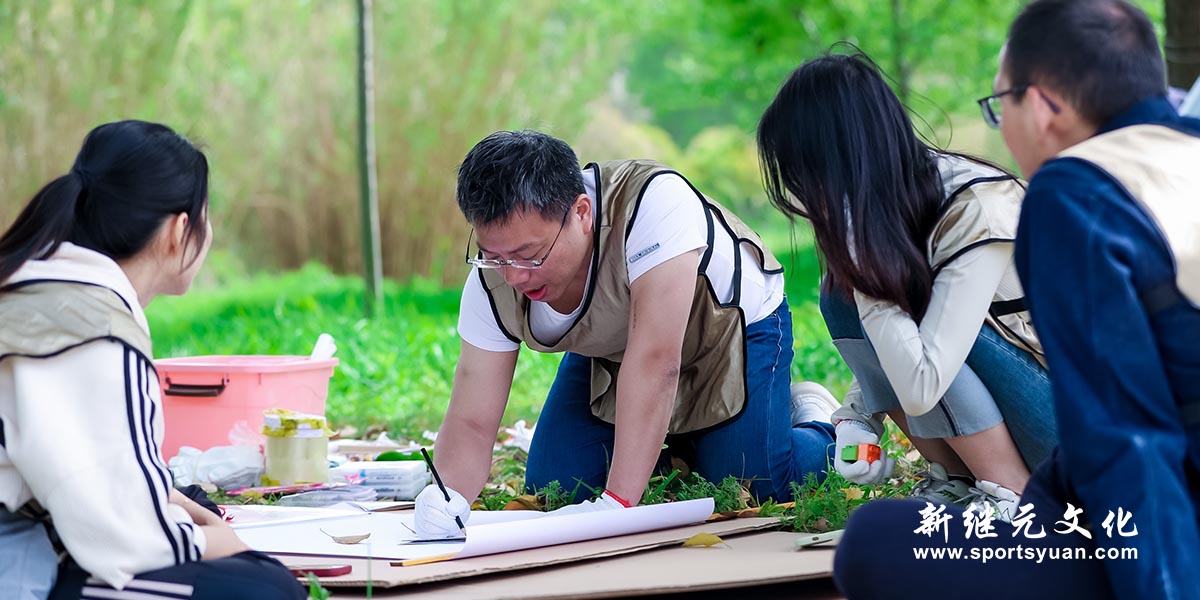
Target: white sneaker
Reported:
[(811, 402), (1001, 501), (937, 487)]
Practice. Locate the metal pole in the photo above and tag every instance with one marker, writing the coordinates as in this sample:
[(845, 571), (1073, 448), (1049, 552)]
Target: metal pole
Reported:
[(1183, 42), (368, 189)]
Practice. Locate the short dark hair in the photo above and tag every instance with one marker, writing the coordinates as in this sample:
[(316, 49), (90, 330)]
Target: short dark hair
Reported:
[(511, 171), (128, 178), (1101, 55)]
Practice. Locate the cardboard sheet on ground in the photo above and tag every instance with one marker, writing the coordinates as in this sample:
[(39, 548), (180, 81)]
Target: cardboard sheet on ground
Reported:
[(753, 559), (384, 575), (487, 532)]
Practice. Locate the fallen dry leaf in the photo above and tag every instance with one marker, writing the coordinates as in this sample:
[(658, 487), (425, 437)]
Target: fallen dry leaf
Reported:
[(705, 540), (524, 502), (678, 463), (853, 493), (347, 539)]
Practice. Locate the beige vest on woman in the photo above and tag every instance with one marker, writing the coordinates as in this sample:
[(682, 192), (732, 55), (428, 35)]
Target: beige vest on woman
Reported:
[(984, 207), (1159, 167), (45, 318), (712, 377)]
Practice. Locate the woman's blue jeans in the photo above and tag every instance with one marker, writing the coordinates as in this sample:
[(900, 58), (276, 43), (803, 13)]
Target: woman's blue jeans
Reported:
[(572, 446), (998, 383)]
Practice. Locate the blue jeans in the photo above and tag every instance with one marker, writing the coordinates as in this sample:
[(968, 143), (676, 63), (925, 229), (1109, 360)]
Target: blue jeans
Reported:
[(571, 445), (28, 562), (999, 383), (879, 543)]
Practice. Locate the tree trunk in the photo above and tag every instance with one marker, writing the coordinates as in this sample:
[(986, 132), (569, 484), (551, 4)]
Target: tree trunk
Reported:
[(1183, 42)]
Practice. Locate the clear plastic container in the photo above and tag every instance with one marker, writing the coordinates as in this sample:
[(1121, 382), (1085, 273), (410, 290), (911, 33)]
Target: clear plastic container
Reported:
[(297, 449), (331, 496), (401, 480)]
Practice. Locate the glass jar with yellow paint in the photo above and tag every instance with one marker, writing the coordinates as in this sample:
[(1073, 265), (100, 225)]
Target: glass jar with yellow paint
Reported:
[(297, 449)]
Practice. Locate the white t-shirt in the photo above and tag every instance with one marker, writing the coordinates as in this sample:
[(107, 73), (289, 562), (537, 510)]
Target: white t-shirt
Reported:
[(670, 222)]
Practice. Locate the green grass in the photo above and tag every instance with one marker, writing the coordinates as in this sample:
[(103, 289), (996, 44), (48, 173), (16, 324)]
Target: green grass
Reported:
[(815, 506), (397, 370)]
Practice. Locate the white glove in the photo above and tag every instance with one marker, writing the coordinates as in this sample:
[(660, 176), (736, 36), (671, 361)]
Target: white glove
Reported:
[(606, 501), (434, 515), (852, 433)]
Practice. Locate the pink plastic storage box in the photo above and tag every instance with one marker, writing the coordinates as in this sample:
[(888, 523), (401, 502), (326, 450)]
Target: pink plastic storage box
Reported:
[(204, 397)]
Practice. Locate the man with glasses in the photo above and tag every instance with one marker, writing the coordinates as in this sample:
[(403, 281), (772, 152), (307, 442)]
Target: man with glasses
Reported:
[(670, 312), (1108, 251)]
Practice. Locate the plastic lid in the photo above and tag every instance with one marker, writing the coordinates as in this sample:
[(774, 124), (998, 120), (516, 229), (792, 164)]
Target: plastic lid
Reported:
[(279, 422), (243, 363)]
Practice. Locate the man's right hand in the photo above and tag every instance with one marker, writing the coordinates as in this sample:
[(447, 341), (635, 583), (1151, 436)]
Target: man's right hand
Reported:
[(851, 433), (435, 515)]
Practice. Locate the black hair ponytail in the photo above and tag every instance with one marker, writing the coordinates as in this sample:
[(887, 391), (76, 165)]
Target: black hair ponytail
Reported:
[(42, 226), (128, 178)]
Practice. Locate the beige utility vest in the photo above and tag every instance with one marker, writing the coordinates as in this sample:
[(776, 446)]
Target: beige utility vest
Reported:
[(712, 378), (983, 207), (1159, 168), (45, 318)]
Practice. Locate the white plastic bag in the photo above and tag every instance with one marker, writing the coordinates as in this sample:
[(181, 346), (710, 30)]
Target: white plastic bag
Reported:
[(519, 435), (227, 467)]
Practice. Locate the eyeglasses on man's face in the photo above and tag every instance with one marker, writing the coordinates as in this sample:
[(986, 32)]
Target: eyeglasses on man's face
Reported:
[(991, 105), (516, 263)]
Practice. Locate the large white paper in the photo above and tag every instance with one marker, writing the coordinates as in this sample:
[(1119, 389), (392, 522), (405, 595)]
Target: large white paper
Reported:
[(258, 515), (251, 515), (487, 532), (389, 530)]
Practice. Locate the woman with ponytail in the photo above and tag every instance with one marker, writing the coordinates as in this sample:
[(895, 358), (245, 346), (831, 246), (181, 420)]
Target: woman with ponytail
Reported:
[(86, 501), (920, 295)]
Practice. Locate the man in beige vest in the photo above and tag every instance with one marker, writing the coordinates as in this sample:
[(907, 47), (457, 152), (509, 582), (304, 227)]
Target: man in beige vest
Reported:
[(671, 315), (1108, 251)]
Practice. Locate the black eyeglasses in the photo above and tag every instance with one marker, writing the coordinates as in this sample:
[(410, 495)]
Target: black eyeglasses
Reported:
[(991, 105), (516, 263)]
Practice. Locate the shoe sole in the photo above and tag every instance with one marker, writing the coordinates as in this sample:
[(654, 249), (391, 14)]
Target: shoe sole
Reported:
[(810, 389)]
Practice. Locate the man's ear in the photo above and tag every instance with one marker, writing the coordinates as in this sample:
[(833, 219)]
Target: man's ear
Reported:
[(1043, 106), (583, 210)]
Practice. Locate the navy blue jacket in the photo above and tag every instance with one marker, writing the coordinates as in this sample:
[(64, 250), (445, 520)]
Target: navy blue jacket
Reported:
[(1086, 252)]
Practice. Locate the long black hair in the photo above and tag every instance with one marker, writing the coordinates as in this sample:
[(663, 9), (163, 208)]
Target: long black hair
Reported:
[(128, 178), (838, 148)]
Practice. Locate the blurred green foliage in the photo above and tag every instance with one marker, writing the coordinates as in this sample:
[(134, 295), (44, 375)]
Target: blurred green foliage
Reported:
[(269, 86), (708, 62)]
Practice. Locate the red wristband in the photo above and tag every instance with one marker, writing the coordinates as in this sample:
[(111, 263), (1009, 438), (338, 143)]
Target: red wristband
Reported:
[(620, 500)]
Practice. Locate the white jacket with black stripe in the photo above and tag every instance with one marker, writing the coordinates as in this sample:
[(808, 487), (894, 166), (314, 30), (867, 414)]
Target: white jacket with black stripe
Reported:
[(81, 436)]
